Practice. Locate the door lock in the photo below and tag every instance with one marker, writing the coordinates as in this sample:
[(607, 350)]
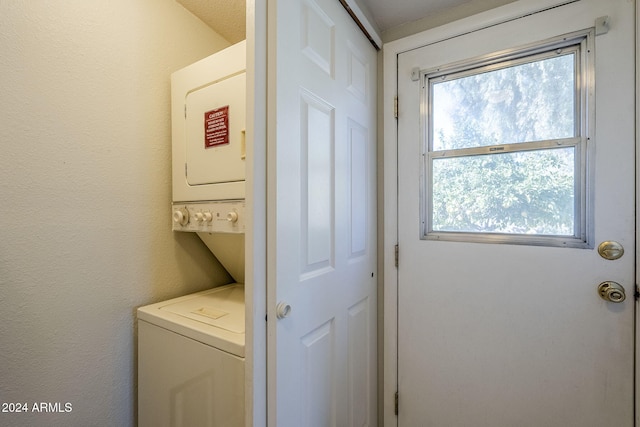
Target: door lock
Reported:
[(611, 291), (610, 250)]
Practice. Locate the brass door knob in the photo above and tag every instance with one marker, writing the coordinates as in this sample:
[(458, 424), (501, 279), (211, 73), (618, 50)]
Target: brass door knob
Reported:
[(611, 291)]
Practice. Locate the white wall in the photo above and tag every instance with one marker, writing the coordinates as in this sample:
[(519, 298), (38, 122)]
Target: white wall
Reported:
[(85, 229)]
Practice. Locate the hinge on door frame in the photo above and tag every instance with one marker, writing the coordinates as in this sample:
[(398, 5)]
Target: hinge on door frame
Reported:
[(396, 403), (636, 294), (395, 107), (397, 255)]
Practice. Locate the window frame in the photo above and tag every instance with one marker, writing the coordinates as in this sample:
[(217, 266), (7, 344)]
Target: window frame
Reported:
[(583, 140)]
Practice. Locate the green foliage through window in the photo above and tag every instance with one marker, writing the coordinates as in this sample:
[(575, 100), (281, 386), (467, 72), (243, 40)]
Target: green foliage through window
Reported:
[(504, 146), (524, 193)]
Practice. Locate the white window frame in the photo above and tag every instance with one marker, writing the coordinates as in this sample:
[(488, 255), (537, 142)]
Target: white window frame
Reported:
[(582, 44)]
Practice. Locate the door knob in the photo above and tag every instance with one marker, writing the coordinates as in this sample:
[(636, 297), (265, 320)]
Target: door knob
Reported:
[(283, 310), (611, 291)]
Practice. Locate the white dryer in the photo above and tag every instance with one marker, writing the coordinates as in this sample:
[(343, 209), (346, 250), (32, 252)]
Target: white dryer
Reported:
[(193, 353)]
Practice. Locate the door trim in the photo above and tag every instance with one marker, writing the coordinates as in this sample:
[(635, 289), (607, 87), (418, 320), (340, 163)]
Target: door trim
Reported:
[(637, 307), (255, 377), (391, 51)]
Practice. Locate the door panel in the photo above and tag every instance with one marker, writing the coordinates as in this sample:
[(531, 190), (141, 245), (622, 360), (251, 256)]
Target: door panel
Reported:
[(323, 218), (503, 335)]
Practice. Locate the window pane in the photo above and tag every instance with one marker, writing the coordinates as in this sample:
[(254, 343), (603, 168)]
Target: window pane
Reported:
[(528, 192), (523, 103)]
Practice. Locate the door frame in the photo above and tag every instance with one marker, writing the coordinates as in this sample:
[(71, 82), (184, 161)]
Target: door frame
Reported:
[(255, 375), (391, 51)]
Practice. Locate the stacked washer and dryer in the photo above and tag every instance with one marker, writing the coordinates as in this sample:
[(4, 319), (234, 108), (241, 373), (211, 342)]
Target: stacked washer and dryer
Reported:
[(191, 349)]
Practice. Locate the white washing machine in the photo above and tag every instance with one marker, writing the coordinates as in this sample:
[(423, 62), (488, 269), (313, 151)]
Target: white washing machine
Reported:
[(193, 353)]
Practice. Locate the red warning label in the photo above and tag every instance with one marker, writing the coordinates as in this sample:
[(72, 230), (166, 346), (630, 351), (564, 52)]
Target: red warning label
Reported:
[(216, 127)]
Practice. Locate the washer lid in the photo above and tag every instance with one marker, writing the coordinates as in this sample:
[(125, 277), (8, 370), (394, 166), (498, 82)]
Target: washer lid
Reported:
[(220, 307), (214, 317)]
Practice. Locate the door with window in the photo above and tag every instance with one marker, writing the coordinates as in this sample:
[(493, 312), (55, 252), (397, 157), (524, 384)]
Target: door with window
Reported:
[(516, 223)]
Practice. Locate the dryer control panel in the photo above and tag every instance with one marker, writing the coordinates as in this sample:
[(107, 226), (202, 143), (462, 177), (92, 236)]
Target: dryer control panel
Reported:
[(210, 217)]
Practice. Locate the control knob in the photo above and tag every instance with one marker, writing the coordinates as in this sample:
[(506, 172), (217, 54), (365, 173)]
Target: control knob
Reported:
[(181, 216), (232, 217)]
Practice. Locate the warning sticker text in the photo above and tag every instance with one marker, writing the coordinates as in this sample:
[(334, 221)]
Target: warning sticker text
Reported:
[(216, 127)]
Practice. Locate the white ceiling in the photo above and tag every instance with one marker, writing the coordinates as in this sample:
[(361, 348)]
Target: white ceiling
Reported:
[(227, 17), (391, 13)]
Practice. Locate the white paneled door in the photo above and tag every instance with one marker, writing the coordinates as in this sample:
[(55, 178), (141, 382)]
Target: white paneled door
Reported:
[(322, 198), (516, 161)]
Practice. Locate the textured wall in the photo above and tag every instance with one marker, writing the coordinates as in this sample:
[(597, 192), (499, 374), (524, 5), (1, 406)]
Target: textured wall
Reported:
[(85, 229)]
